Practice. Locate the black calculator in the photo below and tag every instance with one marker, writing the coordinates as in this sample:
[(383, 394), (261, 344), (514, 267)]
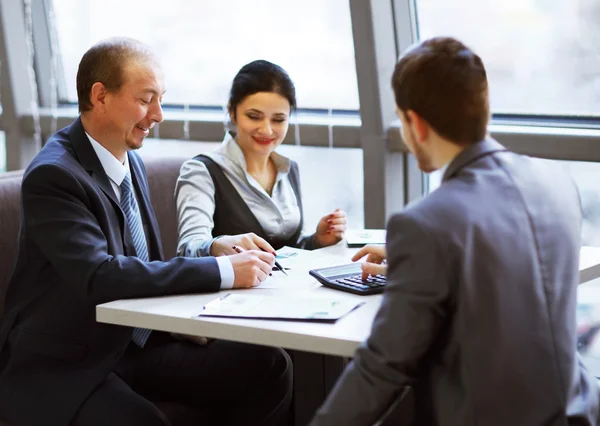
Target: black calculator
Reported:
[(348, 278)]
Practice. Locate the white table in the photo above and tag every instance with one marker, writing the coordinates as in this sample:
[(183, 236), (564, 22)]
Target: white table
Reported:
[(315, 371), (315, 374), (179, 314)]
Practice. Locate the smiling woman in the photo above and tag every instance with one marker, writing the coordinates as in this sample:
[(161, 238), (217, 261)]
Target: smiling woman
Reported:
[(246, 194)]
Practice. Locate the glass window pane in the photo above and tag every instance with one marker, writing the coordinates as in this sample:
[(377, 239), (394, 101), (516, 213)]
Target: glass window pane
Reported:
[(541, 55), (329, 189), (587, 176), (202, 44)]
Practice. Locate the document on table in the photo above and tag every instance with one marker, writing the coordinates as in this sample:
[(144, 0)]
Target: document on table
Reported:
[(361, 237), (278, 280), (298, 259), (279, 307)]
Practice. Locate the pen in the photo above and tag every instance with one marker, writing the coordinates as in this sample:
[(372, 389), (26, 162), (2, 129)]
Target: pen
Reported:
[(277, 265)]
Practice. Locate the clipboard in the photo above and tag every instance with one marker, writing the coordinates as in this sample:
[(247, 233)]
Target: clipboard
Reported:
[(279, 307)]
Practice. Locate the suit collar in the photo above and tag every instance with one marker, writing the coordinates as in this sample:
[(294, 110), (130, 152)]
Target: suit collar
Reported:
[(115, 170), (83, 148), (470, 154), (89, 160)]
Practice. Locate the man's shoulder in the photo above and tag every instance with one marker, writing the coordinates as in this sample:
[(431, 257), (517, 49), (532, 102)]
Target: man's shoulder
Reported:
[(439, 206), (57, 154)]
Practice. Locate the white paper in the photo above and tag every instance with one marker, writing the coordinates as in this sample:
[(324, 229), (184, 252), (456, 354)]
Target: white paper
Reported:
[(305, 260), (278, 280), (365, 236), (279, 307)]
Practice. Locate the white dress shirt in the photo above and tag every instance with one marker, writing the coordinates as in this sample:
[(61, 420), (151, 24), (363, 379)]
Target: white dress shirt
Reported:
[(116, 171)]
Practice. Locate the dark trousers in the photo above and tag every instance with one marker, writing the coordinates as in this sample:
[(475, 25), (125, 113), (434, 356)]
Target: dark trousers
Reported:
[(227, 383)]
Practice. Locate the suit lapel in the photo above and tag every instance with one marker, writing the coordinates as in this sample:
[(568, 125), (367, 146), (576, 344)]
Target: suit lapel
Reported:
[(89, 160), (145, 206)]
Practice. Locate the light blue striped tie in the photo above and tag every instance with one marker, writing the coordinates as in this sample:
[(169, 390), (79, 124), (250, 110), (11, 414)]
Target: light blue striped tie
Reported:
[(134, 221)]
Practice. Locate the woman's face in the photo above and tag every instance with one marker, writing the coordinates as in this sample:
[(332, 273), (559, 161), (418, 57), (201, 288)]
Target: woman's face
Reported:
[(262, 121)]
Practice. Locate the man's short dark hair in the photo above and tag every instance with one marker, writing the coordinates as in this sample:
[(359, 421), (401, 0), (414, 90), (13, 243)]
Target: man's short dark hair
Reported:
[(105, 62), (445, 83)]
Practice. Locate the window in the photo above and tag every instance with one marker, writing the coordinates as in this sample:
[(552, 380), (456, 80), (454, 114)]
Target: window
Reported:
[(542, 56), (325, 191), (586, 176), (202, 44)]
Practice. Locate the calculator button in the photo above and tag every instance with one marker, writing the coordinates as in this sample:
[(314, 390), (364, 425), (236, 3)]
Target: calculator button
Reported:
[(361, 286)]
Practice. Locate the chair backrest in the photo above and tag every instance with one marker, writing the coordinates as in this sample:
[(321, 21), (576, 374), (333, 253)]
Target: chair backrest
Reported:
[(162, 175), (10, 218)]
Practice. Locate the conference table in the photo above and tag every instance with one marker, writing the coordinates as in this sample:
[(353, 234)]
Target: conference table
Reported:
[(320, 349)]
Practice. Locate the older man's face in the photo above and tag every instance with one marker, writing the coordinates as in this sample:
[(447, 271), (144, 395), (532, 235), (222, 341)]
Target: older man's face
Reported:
[(136, 107)]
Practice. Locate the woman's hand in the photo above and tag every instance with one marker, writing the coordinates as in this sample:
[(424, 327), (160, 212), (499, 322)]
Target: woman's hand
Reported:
[(331, 228), (376, 263), (223, 246)]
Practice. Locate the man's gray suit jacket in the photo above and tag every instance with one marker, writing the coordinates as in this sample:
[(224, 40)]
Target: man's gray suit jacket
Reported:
[(479, 312)]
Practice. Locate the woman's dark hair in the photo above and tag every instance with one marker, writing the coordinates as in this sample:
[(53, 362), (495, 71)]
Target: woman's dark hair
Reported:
[(261, 76)]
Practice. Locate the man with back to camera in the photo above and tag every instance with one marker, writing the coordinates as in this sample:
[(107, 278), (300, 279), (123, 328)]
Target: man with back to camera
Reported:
[(479, 312), (88, 236)]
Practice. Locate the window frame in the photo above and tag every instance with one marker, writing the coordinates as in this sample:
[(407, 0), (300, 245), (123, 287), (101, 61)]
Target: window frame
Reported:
[(381, 30)]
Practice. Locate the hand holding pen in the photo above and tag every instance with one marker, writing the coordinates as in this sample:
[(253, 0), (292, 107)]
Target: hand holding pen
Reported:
[(250, 268), (277, 264)]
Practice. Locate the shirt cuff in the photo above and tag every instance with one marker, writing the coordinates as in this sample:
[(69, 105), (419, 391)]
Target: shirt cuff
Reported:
[(197, 248), (226, 271), (208, 244)]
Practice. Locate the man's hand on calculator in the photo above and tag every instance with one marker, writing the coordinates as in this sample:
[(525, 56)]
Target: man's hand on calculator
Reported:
[(376, 263)]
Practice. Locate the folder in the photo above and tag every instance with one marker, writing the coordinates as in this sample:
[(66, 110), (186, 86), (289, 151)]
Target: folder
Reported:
[(279, 307)]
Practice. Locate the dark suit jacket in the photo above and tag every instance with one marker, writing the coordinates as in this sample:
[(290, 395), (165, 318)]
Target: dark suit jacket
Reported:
[(479, 312), (74, 253)]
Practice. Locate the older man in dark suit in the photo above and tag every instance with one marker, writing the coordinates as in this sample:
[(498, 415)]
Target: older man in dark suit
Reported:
[(89, 235), (479, 312)]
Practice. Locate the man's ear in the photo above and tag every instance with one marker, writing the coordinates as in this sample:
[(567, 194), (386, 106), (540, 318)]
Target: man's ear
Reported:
[(420, 126), (98, 96)]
